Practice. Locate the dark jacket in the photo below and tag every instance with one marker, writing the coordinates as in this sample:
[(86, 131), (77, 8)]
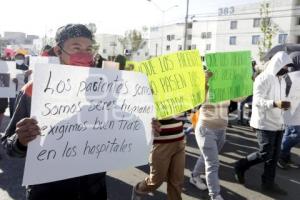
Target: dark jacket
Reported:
[(90, 187)]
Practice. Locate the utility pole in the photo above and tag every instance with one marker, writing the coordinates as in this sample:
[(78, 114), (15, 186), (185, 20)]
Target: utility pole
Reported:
[(186, 24)]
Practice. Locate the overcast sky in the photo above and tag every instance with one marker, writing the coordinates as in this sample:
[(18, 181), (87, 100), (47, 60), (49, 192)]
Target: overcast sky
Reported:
[(42, 17)]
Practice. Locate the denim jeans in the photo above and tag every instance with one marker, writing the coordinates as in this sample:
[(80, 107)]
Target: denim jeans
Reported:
[(210, 142), (291, 137), (269, 148)]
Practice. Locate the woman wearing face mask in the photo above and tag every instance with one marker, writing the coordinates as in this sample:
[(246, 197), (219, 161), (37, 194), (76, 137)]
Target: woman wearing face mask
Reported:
[(19, 80)]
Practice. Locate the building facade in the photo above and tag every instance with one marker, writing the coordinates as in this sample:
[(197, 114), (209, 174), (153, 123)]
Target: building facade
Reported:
[(232, 28), (109, 45)]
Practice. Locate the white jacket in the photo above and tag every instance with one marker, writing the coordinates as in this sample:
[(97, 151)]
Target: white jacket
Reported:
[(267, 89)]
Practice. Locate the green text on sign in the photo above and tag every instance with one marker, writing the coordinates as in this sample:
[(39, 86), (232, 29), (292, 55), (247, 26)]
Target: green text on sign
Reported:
[(232, 75)]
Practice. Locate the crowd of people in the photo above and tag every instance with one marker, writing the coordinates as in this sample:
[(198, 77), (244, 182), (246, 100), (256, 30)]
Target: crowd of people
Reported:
[(74, 46)]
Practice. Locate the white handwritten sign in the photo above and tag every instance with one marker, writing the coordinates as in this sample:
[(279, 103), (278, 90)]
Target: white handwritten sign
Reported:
[(92, 120), (7, 87), (33, 60), (292, 116)]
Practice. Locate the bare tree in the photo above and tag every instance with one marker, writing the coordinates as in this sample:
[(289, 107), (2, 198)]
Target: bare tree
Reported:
[(132, 40), (268, 28)]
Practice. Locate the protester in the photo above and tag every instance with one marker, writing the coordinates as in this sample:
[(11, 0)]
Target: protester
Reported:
[(73, 47), (19, 80), (46, 49), (291, 136), (210, 135), (167, 160), (122, 61), (268, 121), (3, 106), (99, 60)]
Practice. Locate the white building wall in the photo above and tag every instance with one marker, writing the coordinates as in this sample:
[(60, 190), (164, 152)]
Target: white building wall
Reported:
[(285, 14), (109, 45), (281, 15), (201, 27), (143, 53), (244, 16), (158, 36)]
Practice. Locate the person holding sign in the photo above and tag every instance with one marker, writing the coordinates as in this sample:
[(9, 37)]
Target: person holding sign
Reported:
[(166, 160), (74, 47), (20, 79), (210, 135), (267, 119)]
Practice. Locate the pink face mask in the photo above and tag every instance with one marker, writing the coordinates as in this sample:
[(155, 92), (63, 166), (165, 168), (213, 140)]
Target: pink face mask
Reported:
[(81, 59)]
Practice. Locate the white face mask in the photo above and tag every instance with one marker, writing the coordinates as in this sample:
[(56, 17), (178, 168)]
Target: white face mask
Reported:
[(20, 62)]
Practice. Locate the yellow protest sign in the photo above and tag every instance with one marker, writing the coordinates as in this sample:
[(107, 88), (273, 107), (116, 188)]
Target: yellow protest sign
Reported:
[(177, 81), (131, 65)]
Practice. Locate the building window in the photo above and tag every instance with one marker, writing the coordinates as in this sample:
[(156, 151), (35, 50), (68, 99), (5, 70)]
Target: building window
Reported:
[(256, 22), (206, 35), (282, 38), (189, 37), (168, 47), (194, 46), (298, 3), (104, 51), (208, 47), (112, 44), (154, 29), (233, 25), (190, 25), (137, 53), (179, 47), (298, 20), (255, 39), (266, 21), (298, 39), (189, 47), (146, 54), (232, 40), (170, 37)]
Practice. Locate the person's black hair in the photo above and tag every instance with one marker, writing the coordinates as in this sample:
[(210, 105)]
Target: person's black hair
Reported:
[(47, 47), (100, 61), (122, 61), (20, 54), (72, 31), (51, 52), (253, 63)]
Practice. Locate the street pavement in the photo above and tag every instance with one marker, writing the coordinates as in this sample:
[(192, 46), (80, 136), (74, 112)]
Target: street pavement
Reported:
[(240, 142)]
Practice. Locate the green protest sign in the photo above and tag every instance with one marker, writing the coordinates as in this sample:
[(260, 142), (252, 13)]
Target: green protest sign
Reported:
[(177, 81), (232, 75)]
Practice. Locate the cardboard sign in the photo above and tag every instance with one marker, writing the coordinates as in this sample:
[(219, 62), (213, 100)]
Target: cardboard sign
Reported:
[(232, 75), (92, 120), (177, 81), (7, 86)]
